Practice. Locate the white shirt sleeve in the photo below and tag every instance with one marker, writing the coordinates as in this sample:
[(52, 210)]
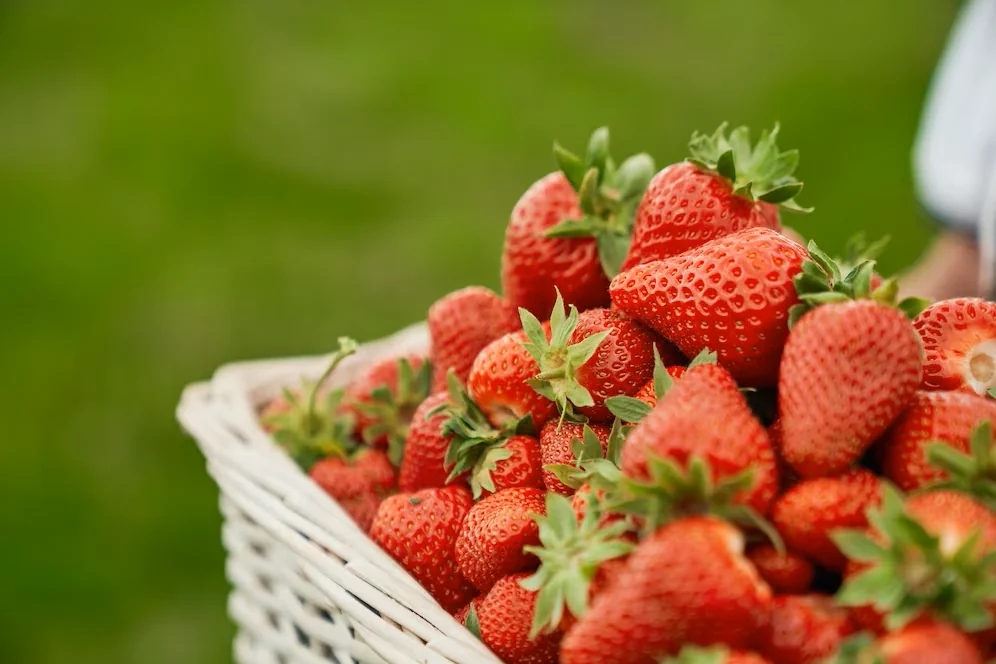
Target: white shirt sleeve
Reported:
[(954, 158)]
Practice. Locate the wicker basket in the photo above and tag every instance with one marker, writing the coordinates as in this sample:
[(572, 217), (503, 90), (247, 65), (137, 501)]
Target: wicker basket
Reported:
[(308, 586)]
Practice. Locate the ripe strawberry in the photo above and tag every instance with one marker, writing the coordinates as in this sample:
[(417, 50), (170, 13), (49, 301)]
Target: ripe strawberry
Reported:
[(849, 370), (714, 655), (420, 531), (460, 325), (809, 512), (557, 448), (504, 618), (929, 642), (959, 343), (786, 572), (946, 417), (498, 383), (709, 594), (786, 473), (578, 560), (424, 463), (933, 557), (589, 358), (727, 186), (731, 295), (804, 629), (494, 533), (704, 417), (358, 484), (570, 230), (383, 398)]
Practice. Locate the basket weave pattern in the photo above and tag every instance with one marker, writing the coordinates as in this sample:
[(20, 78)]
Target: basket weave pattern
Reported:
[(308, 586)]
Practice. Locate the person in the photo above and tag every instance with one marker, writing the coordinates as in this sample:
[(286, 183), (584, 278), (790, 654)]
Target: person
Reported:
[(954, 163)]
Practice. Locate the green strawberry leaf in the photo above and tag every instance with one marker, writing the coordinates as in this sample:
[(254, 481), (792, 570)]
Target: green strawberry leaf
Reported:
[(628, 409), (473, 622)]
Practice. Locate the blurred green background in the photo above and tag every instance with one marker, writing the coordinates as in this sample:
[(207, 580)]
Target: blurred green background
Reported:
[(189, 183)]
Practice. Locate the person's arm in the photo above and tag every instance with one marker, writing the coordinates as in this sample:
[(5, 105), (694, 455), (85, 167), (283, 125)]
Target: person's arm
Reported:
[(955, 162)]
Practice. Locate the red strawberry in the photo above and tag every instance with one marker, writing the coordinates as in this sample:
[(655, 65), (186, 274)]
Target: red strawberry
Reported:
[(931, 558), (358, 484), (809, 512), (709, 594), (704, 417), (714, 655), (946, 417), (383, 398), (557, 448), (959, 343), (849, 370), (589, 358), (929, 643), (420, 531), (786, 473), (523, 467), (804, 629), (494, 533), (498, 384), (786, 572), (460, 325), (504, 617), (424, 463), (731, 295), (726, 187), (557, 238)]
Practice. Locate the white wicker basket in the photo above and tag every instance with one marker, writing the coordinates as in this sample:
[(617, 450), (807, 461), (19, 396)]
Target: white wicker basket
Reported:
[(308, 586)]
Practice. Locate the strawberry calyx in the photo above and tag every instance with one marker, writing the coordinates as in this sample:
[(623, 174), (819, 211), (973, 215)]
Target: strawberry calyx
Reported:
[(697, 655), (476, 446), (608, 197), (674, 491), (390, 411), (759, 172), (973, 473), (859, 648), (314, 426), (570, 555), (912, 572), (558, 362), (992, 392), (593, 465), (632, 410), (823, 281)]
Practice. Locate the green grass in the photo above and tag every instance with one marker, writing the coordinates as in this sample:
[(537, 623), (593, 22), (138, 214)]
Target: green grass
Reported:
[(185, 184)]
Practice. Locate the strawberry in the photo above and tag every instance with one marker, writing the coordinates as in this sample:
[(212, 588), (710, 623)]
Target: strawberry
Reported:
[(383, 398), (945, 417), (709, 594), (731, 295), (490, 458), (926, 642), (502, 619), (786, 473), (850, 366), (575, 557), (934, 557), (959, 343), (589, 358), (804, 629), (498, 383), (460, 325), (786, 571), (420, 531), (557, 448), (494, 533), (704, 418), (727, 186), (357, 484), (809, 512), (714, 655), (571, 229), (423, 465)]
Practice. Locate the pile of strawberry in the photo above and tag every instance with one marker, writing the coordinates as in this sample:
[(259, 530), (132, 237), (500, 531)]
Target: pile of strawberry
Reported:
[(679, 435)]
